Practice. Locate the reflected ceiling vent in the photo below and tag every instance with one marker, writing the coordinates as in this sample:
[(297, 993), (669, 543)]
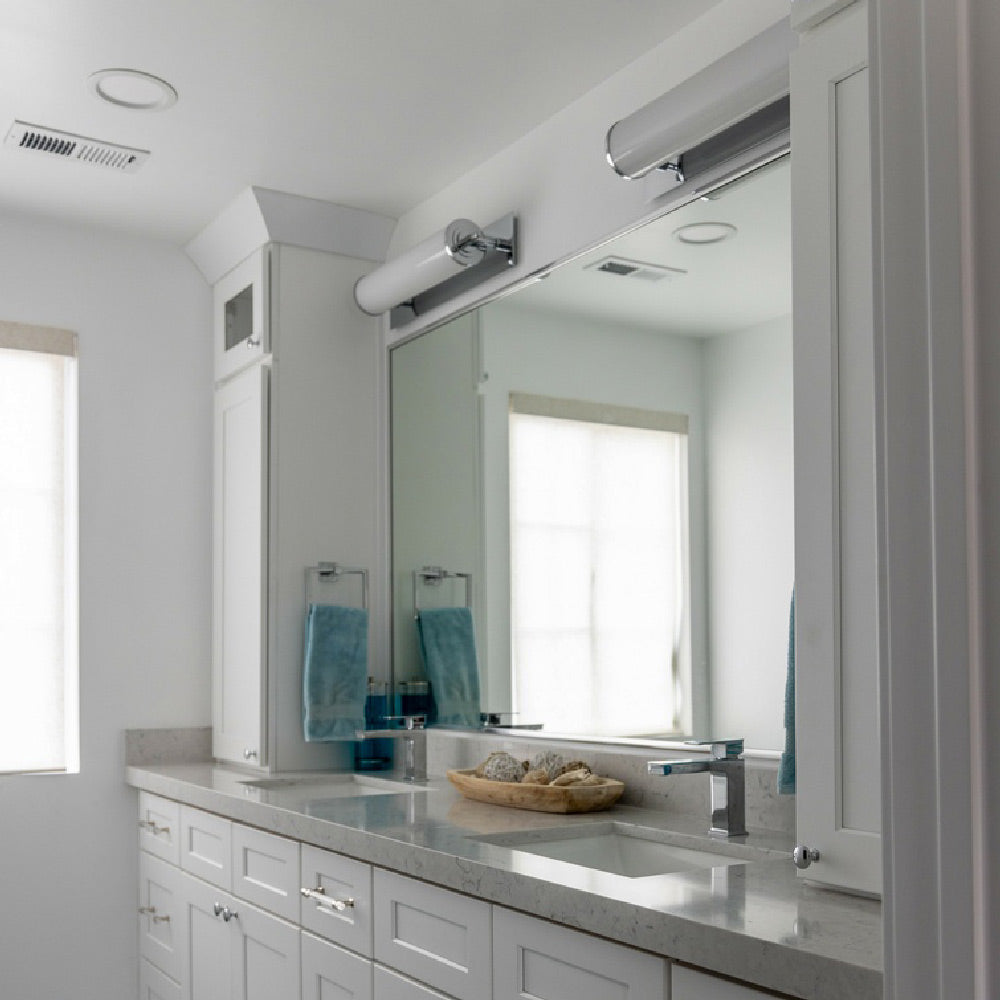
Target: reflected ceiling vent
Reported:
[(39, 139), (622, 267)]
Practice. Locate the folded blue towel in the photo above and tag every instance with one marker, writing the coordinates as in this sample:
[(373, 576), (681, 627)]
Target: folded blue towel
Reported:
[(786, 769), (448, 647), (335, 678)]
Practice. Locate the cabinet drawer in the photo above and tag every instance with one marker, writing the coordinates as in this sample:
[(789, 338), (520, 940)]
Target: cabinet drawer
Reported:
[(329, 971), (340, 878), (266, 871), (436, 936), (535, 960), (206, 846), (159, 827), (391, 986), (154, 985), (688, 984), (161, 936)]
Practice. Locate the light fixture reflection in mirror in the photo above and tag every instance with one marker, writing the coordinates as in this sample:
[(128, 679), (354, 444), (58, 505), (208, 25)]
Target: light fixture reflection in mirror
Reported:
[(590, 615)]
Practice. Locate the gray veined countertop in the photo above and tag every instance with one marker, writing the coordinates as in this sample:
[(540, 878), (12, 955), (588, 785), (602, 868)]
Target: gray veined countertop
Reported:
[(756, 921)]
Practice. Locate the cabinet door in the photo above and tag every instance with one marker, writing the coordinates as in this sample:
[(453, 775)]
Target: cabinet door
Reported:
[(159, 827), (242, 324), (162, 937), (267, 961), (340, 879), (239, 570), (536, 960), (836, 599), (154, 985), (266, 870), (329, 971), (436, 936), (392, 986), (210, 941)]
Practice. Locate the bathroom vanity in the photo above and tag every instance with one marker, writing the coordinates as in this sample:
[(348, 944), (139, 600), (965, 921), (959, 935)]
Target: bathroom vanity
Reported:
[(305, 886)]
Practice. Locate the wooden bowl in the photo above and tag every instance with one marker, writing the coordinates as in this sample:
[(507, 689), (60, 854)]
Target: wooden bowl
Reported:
[(538, 798)]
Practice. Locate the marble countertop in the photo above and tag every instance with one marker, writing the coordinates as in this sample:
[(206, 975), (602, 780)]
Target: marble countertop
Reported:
[(755, 921)]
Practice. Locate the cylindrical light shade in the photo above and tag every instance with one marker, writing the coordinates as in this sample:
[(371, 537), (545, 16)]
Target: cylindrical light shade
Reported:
[(430, 262), (736, 85)]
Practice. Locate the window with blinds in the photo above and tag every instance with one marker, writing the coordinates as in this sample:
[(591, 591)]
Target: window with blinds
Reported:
[(39, 701), (600, 603)]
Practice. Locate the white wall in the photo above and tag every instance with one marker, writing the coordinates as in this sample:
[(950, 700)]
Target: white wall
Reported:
[(751, 528), (67, 843)]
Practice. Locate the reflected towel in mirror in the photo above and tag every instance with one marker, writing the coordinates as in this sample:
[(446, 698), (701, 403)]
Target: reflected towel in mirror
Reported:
[(336, 672), (448, 648), (786, 769)]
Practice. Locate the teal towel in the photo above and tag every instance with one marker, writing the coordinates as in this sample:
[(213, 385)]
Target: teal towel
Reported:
[(448, 647), (335, 678), (786, 769)]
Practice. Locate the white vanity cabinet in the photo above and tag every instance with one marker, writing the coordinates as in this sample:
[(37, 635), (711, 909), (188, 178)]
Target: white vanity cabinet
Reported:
[(838, 752), (295, 468)]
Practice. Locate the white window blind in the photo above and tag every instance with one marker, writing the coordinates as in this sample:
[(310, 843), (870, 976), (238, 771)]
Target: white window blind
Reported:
[(600, 602), (39, 700)]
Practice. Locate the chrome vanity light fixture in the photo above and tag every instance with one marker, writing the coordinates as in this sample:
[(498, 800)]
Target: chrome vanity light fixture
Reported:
[(458, 257), (746, 80)]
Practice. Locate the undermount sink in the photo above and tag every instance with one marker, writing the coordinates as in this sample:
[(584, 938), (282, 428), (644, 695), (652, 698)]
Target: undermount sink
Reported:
[(618, 848), (332, 785)]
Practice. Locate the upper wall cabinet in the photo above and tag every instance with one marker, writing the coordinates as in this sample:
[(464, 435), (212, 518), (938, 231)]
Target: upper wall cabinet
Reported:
[(241, 322), (296, 471), (836, 569)]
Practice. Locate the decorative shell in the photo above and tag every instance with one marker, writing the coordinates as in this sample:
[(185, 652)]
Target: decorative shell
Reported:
[(549, 762), (501, 766), (536, 776), (574, 765), (572, 777)]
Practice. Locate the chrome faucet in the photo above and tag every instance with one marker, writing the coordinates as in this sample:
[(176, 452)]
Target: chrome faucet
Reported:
[(414, 738), (726, 769)]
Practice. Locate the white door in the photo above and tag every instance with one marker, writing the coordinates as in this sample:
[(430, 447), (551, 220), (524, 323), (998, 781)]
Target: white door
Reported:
[(266, 961), (209, 974), (239, 571), (837, 750)]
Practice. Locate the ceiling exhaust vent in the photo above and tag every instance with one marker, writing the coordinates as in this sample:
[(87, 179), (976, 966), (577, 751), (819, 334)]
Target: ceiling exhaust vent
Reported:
[(40, 139), (622, 267)]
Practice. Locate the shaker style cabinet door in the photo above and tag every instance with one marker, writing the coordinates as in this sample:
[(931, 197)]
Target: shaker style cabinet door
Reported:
[(331, 972), (536, 960), (241, 321), (239, 563), (162, 937), (838, 799)]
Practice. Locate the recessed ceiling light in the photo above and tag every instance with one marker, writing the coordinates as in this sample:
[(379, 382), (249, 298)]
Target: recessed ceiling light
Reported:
[(132, 89), (705, 232)]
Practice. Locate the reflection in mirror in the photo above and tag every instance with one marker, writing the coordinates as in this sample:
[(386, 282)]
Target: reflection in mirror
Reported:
[(608, 454)]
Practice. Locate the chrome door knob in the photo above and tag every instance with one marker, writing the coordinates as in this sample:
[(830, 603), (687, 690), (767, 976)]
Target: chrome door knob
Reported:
[(804, 856)]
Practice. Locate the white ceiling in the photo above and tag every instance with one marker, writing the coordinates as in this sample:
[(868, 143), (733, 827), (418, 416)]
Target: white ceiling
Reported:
[(726, 286), (377, 104)]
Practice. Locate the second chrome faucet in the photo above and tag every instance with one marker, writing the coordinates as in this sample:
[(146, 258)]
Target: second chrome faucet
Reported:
[(725, 767)]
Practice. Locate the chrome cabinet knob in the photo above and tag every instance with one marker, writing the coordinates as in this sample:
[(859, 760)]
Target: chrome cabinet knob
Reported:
[(804, 856), (251, 343), (148, 824), (249, 754)]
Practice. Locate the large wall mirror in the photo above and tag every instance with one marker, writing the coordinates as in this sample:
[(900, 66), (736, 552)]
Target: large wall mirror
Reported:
[(604, 460)]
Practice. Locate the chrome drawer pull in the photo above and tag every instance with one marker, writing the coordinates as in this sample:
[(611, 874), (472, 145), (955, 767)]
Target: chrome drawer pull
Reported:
[(223, 911), (150, 911), (322, 899), (148, 824), (157, 919)]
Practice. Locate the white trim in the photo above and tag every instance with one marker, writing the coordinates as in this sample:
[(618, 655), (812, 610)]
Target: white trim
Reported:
[(923, 353)]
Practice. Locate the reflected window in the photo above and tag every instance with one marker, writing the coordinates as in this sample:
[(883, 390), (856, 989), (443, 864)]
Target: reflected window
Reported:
[(600, 603)]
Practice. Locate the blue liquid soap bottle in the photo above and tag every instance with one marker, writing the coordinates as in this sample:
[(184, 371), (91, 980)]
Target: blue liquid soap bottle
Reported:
[(375, 755)]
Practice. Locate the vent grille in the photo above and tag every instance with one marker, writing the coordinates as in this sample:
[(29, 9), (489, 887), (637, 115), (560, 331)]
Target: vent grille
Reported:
[(622, 267), (38, 138)]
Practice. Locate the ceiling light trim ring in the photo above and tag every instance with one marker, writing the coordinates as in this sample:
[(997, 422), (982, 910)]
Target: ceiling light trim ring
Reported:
[(705, 233), (102, 84)]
